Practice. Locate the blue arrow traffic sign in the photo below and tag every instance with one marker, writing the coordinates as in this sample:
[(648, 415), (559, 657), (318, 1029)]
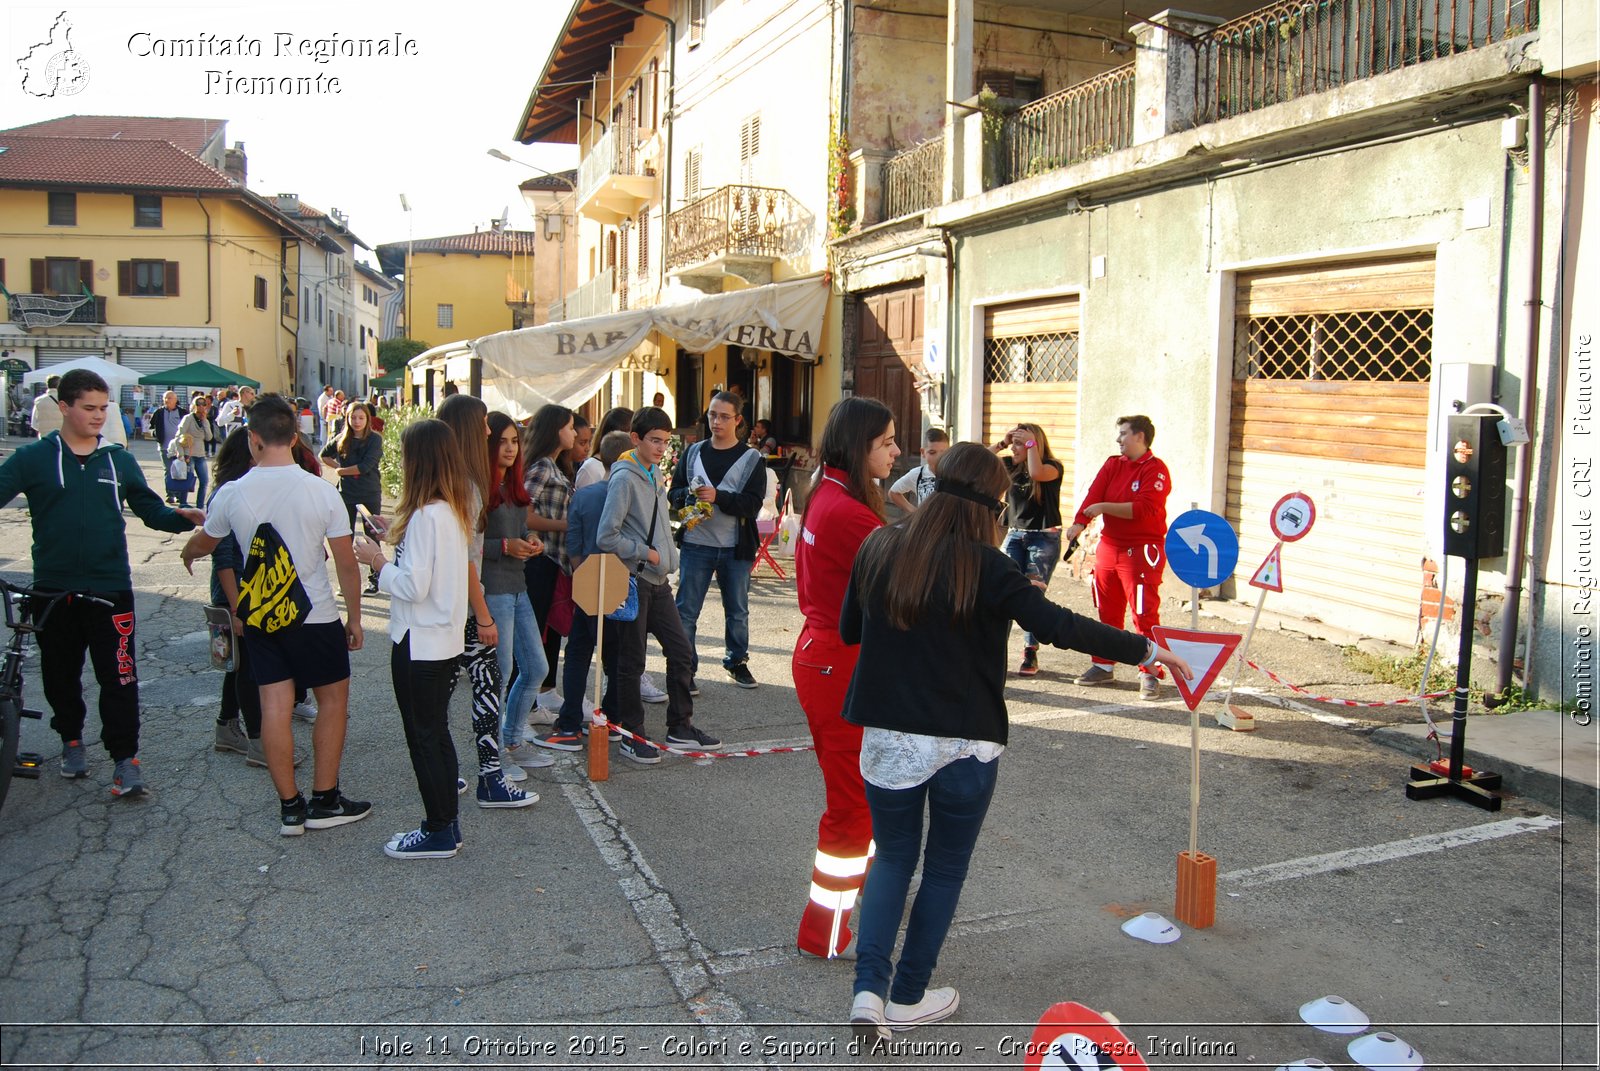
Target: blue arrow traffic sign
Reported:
[(1202, 549)]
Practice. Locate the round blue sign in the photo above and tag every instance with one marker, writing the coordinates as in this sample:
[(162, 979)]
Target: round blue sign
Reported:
[(1202, 549)]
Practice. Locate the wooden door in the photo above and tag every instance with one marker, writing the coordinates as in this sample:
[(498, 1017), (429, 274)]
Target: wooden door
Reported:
[(888, 350)]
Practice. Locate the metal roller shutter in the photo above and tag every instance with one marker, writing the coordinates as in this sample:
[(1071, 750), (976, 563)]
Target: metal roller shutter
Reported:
[(1330, 397), (143, 361), (1030, 373)]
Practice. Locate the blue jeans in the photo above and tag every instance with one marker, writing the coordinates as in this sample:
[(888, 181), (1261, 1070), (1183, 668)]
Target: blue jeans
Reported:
[(519, 640), (957, 799), (1035, 553), (202, 481), (696, 565)]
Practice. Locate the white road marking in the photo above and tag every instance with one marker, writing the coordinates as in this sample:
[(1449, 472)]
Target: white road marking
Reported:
[(1384, 853), (678, 950)]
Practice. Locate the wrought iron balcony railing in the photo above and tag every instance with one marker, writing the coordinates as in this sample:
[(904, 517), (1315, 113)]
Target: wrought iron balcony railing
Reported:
[(1090, 119), (54, 310), (913, 181), (753, 222), (1296, 48)]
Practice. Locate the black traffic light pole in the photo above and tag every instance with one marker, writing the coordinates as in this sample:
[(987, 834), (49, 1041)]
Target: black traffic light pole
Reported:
[(1475, 477)]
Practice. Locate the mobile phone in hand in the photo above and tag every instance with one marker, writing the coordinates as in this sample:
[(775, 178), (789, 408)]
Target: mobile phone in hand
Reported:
[(374, 526)]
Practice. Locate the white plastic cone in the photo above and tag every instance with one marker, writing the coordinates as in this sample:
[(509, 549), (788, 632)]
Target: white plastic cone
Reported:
[(1384, 1052), (1335, 1015), (1309, 1061), (1151, 927)]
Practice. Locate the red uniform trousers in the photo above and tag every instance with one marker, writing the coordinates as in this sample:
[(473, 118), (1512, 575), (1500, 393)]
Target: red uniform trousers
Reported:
[(1128, 575), (823, 664)]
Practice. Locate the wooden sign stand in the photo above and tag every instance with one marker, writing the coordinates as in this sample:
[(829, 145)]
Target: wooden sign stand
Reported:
[(599, 586)]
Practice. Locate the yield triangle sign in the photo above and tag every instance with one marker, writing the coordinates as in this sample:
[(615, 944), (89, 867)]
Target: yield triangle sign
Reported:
[(1206, 653), (1270, 575)]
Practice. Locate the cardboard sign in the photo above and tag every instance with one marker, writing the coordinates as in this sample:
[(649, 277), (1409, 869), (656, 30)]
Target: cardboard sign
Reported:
[(1070, 1035), (1206, 653), (1270, 574)]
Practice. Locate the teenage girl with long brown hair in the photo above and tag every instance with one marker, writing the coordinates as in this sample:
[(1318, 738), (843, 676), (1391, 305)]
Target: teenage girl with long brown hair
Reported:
[(846, 505)]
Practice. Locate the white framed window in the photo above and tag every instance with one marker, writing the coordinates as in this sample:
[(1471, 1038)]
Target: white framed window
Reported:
[(691, 174), (446, 316)]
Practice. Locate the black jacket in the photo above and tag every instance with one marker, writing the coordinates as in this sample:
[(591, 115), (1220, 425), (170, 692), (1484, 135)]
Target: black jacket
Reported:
[(947, 679)]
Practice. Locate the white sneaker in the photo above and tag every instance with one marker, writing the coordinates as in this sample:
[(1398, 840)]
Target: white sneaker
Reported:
[(648, 690), (866, 1017), (935, 1004), (306, 711), (520, 756)]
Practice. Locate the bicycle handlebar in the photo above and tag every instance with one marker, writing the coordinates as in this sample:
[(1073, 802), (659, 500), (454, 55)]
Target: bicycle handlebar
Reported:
[(48, 598)]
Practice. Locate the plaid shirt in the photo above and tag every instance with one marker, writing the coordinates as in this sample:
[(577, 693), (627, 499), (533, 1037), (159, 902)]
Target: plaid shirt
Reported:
[(548, 487)]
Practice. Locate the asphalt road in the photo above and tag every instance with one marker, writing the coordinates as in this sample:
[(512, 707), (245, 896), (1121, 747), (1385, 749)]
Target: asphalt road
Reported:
[(648, 920)]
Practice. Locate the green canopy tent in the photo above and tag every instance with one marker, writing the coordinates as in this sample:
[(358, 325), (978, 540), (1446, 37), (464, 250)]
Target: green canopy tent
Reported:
[(392, 381), (198, 374)]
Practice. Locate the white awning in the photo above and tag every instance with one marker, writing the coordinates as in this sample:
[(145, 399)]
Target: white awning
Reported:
[(565, 363)]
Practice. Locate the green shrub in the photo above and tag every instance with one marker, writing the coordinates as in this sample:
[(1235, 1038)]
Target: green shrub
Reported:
[(395, 421)]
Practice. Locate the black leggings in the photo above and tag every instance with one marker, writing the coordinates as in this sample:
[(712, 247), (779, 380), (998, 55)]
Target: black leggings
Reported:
[(422, 690)]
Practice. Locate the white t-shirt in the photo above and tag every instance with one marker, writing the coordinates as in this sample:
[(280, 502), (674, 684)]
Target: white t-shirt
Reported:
[(591, 471), (920, 479), (305, 510)]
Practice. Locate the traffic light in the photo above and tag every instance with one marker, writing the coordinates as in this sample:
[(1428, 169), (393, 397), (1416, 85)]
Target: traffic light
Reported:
[(1475, 489)]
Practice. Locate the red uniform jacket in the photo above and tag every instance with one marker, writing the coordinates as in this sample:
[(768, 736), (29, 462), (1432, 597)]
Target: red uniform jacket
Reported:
[(836, 524), (1146, 483)]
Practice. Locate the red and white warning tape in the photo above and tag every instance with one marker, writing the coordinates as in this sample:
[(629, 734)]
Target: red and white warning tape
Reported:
[(1342, 702), (743, 754)]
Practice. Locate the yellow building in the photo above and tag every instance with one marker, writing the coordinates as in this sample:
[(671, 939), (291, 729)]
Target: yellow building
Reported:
[(133, 249), (463, 286)]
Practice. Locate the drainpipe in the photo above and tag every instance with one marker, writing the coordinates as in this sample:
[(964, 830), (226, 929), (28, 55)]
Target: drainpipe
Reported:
[(1523, 471), (201, 202), (672, 82)]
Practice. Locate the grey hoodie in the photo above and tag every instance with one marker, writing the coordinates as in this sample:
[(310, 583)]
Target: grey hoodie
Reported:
[(632, 497)]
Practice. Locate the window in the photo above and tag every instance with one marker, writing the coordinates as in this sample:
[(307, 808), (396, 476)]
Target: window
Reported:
[(63, 275), (653, 94), (697, 21), (750, 137), (63, 210), (446, 316), (1011, 84), (644, 241), (146, 210), (691, 174), (305, 306), (147, 278), (319, 307), (261, 292)]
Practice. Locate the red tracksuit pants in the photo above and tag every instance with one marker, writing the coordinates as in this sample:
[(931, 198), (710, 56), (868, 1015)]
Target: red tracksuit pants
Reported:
[(1128, 576), (823, 664)]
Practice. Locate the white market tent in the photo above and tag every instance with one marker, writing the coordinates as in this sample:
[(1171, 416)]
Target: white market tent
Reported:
[(116, 376)]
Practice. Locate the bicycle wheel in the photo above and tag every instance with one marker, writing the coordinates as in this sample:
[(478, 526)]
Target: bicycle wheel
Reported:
[(11, 726)]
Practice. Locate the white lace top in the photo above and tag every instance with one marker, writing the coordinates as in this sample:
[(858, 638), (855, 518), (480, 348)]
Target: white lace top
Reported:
[(894, 760)]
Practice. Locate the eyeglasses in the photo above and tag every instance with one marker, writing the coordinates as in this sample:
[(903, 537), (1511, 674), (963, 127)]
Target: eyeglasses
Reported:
[(720, 418), (658, 442)]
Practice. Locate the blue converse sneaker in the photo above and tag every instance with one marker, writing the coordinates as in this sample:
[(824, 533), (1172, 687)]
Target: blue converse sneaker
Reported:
[(455, 831), (74, 760), (494, 791), (421, 844)]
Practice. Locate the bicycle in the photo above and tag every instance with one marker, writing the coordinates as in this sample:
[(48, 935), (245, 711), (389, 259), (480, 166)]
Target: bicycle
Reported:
[(19, 606)]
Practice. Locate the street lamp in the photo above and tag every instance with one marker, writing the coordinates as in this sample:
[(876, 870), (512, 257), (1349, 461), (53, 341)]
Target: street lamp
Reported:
[(410, 229), (561, 238)]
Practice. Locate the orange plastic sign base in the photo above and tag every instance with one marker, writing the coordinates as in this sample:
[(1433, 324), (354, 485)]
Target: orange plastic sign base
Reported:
[(1070, 1035)]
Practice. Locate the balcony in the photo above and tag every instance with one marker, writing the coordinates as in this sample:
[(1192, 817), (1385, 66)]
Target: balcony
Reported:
[(614, 181), (594, 298), (736, 230), (913, 181), (29, 311), (1293, 49), (1090, 119)]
